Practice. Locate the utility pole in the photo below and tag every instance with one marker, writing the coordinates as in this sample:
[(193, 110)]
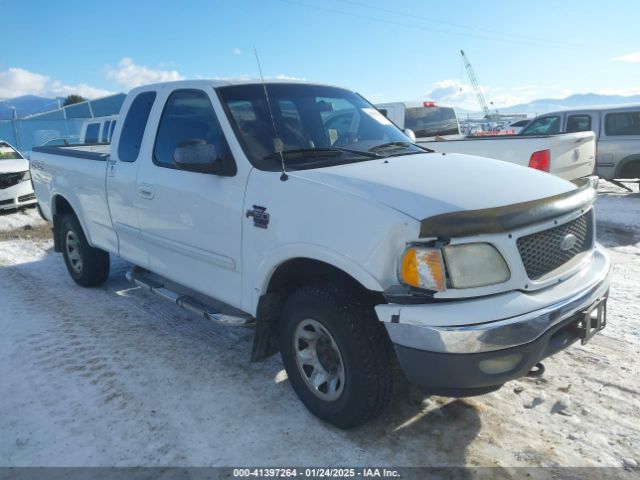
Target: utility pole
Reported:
[(14, 120)]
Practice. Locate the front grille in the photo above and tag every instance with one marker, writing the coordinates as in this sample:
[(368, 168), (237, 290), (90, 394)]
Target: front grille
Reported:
[(26, 198), (10, 179), (541, 252), (6, 202)]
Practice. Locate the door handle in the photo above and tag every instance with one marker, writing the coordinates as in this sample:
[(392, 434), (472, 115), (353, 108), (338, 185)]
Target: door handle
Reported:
[(146, 191)]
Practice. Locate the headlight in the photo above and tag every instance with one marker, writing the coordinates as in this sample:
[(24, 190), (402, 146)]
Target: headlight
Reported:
[(475, 265), (423, 268), (26, 176)]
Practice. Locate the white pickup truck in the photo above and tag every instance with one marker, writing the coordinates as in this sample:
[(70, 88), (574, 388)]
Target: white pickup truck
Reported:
[(567, 155), (341, 245)]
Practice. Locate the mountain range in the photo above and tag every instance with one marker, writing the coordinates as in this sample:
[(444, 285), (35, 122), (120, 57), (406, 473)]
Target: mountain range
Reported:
[(545, 105), (26, 105)]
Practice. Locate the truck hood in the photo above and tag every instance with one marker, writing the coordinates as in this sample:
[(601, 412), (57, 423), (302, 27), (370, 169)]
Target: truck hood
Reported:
[(423, 185), (14, 165)]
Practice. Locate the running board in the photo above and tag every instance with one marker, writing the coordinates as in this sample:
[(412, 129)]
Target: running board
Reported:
[(141, 278)]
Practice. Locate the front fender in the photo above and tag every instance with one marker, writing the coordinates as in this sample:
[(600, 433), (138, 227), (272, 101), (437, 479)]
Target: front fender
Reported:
[(273, 258)]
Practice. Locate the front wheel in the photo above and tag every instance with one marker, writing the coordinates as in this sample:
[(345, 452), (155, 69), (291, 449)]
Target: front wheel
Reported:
[(88, 266), (337, 355)]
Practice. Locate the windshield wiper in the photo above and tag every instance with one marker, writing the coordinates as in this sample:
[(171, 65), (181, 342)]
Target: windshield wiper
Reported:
[(319, 151), (360, 152), (396, 145), (389, 145), (329, 152)]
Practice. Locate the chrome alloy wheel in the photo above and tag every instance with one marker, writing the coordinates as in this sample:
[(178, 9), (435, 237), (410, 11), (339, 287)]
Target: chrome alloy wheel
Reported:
[(319, 360), (73, 251)]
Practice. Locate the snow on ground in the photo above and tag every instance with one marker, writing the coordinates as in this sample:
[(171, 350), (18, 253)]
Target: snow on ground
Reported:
[(15, 219), (112, 376)]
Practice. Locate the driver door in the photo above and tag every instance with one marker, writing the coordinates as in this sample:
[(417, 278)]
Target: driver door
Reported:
[(191, 222)]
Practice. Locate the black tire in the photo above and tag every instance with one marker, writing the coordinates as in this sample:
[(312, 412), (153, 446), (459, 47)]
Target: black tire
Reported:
[(362, 343), (88, 266)]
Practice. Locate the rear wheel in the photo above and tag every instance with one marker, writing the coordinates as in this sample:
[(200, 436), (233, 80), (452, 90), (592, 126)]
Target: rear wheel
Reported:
[(88, 266), (337, 355)]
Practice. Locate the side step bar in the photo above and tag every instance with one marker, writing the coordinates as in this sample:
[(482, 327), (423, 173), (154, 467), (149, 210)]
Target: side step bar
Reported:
[(141, 278)]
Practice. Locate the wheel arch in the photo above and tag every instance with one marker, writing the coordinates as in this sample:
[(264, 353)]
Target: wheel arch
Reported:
[(61, 206), (628, 167), (286, 277)]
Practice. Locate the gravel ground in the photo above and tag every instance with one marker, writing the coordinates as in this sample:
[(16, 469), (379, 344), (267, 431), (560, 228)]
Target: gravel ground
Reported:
[(112, 376)]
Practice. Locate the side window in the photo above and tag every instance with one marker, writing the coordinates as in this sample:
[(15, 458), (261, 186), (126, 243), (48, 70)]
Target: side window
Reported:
[(623, 123), (91, 135), (543, 126), (105, 132), (134, 125), (187, 116), (113, 127), (578, 123)]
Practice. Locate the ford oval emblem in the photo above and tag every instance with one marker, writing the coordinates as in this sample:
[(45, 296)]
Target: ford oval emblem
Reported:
[(568, 242)]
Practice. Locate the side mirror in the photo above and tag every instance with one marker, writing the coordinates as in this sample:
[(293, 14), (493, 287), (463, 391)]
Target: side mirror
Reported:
[(410, 133), (197, 156)]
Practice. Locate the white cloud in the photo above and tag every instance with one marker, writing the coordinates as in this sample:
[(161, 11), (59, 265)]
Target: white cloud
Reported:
[(630, 57), (130, 75), (82, 89), (15, 82), (455, 93), (461, 94), (625, 92), (236, 51), (289, 77)]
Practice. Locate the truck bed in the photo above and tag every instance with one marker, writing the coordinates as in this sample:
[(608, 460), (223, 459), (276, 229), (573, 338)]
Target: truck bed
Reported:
[(572, 154), (90, 152), (55, 168)]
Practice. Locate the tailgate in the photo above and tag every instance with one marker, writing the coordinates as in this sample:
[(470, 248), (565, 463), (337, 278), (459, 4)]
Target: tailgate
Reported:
[(573, 155)]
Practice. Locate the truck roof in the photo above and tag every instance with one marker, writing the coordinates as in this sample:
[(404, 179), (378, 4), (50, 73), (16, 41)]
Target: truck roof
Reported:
[(597, 108), (215, 83)]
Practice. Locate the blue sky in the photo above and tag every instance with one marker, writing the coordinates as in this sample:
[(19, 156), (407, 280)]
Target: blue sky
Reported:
[(400, 50)]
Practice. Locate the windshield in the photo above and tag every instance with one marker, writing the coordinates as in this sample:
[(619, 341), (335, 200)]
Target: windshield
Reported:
[(315, 126), (7, 152), (432, 121)]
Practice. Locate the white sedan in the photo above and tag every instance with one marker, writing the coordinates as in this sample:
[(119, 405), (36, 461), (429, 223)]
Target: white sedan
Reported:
[(16, 189)]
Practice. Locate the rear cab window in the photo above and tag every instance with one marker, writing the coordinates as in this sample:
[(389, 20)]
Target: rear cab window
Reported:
[(622, 123), (105, 131), (432, 121), (92, 133), (134, 126), (543, 126), (578, 123)]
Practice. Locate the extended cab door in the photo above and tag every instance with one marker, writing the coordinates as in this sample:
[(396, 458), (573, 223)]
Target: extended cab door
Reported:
[(190, 221), (122, 170)]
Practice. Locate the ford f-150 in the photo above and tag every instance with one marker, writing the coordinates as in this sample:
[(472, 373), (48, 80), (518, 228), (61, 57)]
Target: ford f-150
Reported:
[(343, 245)]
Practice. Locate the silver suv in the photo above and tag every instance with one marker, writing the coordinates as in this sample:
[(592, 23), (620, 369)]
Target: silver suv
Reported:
[(617, 130)]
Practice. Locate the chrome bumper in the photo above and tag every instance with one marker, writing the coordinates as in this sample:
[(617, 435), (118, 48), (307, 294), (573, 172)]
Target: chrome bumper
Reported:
[(434, 328)]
